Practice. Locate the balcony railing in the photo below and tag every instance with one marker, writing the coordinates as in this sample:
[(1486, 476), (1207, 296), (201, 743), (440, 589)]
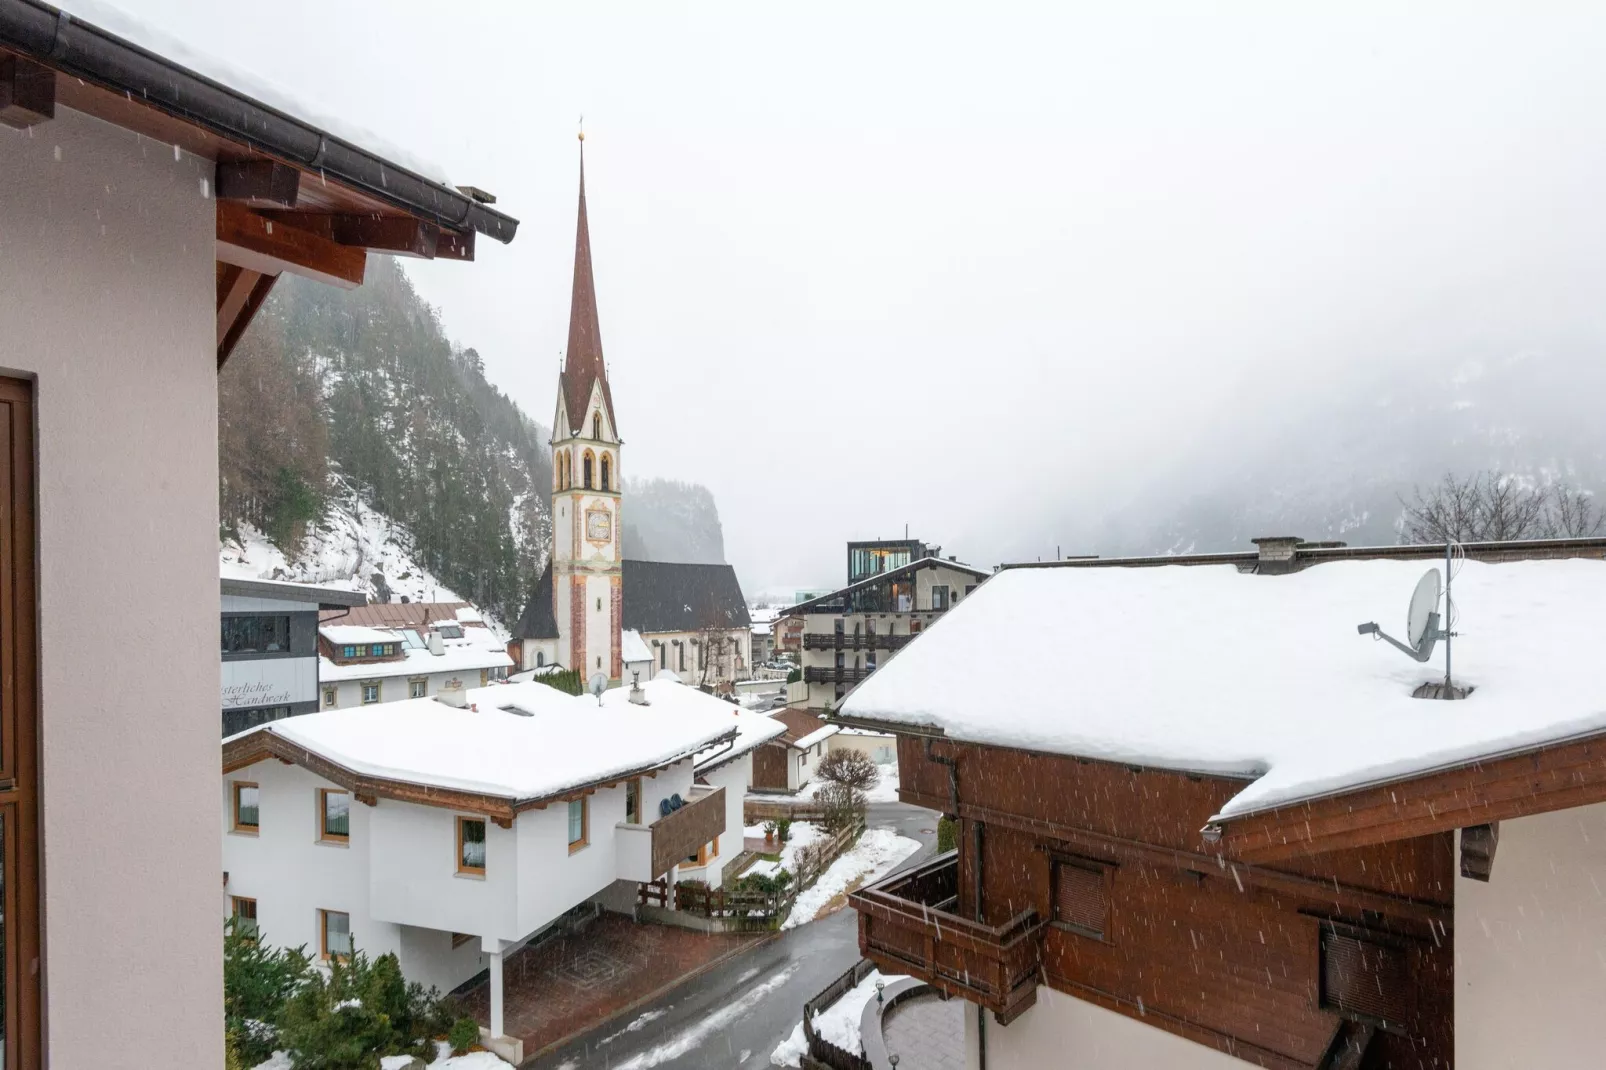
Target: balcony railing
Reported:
[(906, 925), (831, 641), (831, 675), (681, 833)]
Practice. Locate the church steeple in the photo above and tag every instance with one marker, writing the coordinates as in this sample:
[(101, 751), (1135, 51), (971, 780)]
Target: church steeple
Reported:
[(582, 362)]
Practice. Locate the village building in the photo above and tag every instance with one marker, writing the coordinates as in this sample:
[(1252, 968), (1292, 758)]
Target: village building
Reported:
[(453, 833), (786, 636), (269, 648), (787, 762), (848, 633), (361, 665), (1229, 831), (692, 617), (146, 209)]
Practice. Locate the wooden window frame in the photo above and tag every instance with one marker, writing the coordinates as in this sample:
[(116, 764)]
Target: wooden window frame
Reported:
[(234, 792), (1395, 948), (485, 838), (634, 783), (585, 824), (323, 932), (234, 913), (1105, 870), (324, 835)]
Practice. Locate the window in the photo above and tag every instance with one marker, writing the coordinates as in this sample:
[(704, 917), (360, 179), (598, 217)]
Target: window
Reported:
[(471, 846), (633, 802), (596, 425), (245, 916), (705, 854), (1081, 897), (330, 697), (841, 659), (256, 634), (939, 596), (246, 817), (970, 589), (334, 929), (663, 654), (370, 692), (869, 626), (914, 627), (334, 816), (349, 652), (459, 939), (418, 688), (236, 721), (681, 647), (869, 662), (607, 473), (578, 822), (540, 659), (840, 624), (1366, 974), (585, 470)]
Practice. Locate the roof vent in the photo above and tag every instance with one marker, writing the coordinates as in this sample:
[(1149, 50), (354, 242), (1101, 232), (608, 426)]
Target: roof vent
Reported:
[(637, 695), (1277, 553), (436, 645), (455, 697), (515, 711)]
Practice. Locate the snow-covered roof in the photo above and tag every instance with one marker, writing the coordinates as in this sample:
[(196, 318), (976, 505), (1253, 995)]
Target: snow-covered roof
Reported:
[(341, 634), (819, 735), (882, 577), (1206, 669), (417, 661), (672, 698), (470, 615), (530, 674), (632, 648), (566, 742), (169, 43)]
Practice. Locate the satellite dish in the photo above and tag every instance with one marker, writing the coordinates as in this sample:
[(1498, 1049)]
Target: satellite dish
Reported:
[(1424, 604), (597, 685)]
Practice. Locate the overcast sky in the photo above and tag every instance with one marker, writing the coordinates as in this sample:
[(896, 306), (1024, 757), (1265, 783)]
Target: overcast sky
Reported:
[(955, 266)]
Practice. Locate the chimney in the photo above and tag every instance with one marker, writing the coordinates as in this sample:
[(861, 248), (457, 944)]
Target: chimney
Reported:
[(1278, 554), (637, 695), (455, 697), (436, 645)]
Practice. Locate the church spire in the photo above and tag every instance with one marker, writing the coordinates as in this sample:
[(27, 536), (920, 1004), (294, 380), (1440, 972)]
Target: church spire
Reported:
[(582, 362)]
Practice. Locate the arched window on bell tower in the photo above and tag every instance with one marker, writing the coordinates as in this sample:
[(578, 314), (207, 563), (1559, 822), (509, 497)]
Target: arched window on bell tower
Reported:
[(596, 426), (585, 469), (607, 473)]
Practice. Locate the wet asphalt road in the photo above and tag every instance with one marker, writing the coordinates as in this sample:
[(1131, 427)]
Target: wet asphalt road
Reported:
[(734, 1015)]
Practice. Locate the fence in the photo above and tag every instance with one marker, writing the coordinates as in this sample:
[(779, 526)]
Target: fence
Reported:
[(821, 1050), (757, 811)]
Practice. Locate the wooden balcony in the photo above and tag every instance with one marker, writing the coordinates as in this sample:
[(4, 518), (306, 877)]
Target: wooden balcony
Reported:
[(679, 835), (831, 675), (832, 641), (906, 925)]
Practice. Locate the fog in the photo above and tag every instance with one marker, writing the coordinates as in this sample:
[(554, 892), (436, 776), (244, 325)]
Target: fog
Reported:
[(984, 271)]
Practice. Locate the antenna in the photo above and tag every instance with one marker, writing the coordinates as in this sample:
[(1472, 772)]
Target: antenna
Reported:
[(1423, 625)]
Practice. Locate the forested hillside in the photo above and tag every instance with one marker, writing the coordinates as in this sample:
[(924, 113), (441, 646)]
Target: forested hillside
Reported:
[(340, 401)]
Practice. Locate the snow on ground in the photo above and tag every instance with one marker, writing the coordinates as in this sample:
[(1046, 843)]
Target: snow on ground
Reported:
[(877, 851), (474, 1060), (709, 1026), (803, 833), (838, 1023)]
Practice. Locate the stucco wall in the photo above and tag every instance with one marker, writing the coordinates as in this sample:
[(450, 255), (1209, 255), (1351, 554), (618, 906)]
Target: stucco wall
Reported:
[(722, 668), (1062, 1030), (734, 776), (878, 748), (107, 296), (1530, 969), (413, 878)]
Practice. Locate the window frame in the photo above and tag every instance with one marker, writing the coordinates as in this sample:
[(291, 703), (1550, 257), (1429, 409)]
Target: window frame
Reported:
[(418, 687), (463, 869), (331, 697), (234, 913), (235, 825), (379, 692), (1105, 871), (585, 823), (324, 835), (633, 785), (324, 915)]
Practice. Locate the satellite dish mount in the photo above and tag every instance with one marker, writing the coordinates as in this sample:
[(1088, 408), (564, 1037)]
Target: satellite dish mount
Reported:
[(1424, 627)]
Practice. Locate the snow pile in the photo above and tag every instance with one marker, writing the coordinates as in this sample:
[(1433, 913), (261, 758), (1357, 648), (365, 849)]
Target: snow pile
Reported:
[(1206, 669), (518, 741), (474, 1060), (877, 851), (838, 1023)]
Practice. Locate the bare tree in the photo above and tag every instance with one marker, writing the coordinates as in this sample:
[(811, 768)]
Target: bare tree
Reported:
[(1489, 506)]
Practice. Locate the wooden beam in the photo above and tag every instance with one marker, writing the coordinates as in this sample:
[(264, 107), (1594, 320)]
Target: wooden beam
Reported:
[(250, 240), (1556, 777), (1478, 843), (240, 292), (454, 246), (260, 183), (27, 93), (503, 822), (400, 234)]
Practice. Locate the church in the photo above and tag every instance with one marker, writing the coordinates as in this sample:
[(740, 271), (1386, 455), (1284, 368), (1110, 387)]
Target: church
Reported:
[(592, 610)]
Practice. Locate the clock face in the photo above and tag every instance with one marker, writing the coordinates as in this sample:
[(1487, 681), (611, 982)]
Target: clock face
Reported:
[(599, 525)]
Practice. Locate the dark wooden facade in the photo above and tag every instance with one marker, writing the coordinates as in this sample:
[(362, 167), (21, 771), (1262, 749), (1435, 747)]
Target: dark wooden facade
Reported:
[(769, 766), (1093, 878)]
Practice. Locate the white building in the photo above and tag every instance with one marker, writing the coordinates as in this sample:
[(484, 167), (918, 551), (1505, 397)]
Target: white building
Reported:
[(360, 665), (787, 762), (452, 835), (134, 250), (269, 648), (850, 632)]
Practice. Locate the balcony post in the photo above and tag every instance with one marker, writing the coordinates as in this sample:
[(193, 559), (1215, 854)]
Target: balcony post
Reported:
[(496, 994)]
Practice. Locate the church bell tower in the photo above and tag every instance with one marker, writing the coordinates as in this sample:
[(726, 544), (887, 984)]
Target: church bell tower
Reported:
[(587, 596)]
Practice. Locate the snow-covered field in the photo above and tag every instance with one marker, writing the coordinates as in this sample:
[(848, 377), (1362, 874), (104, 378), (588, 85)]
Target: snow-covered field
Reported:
[(803, 834), (877, 851), (838, 1023)]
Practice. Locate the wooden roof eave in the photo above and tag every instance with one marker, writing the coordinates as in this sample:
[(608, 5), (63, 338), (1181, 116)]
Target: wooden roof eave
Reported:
[(1533, 780)]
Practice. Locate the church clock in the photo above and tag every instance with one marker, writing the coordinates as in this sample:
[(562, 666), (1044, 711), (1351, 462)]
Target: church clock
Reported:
[(599, 525)]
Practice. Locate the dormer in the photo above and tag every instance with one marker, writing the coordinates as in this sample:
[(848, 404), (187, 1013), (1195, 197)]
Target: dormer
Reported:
[(348, 644)]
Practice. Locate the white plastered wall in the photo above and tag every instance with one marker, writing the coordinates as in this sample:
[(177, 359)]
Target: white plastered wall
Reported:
[(735, 777), (1061, 1030), (108, 300), (1530, 947)]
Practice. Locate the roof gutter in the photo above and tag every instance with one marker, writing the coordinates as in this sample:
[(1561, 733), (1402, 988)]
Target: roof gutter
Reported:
[(59, 40)]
